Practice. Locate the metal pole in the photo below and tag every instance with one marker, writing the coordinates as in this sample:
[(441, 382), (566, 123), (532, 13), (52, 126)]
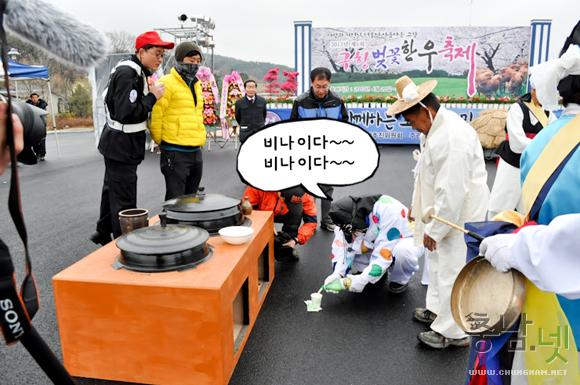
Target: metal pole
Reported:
[(53, 118), (470, 11)]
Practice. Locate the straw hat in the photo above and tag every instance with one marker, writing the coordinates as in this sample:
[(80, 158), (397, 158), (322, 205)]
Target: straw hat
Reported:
[(409, 94)]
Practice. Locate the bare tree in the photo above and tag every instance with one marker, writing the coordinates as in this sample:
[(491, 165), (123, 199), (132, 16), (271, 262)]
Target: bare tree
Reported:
[(335, 67), (121, 42), (488, 55)]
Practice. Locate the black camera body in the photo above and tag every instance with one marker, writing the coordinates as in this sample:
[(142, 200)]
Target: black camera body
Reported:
[(34, 129)]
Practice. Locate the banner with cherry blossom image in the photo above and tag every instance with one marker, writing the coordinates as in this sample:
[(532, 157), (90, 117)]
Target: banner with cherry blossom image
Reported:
[(490, 62)]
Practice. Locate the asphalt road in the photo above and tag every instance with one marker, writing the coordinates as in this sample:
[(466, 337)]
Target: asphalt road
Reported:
[(367, 339)]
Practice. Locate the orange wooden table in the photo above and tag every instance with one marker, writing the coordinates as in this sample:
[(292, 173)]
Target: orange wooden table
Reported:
[(186, 327)]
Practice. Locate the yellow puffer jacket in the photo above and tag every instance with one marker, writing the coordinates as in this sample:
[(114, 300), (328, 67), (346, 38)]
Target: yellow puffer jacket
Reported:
[(175, 118)]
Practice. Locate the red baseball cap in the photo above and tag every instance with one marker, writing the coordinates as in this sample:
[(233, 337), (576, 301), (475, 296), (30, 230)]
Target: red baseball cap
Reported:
[(152, 38)]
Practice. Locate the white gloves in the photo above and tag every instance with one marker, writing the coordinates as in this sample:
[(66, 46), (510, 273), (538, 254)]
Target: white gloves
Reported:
[(357, 283), (497, 250), (332, 277)]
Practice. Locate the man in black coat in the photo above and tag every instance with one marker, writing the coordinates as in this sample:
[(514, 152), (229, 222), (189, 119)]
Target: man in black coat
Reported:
[(250, 111), (128, 102)]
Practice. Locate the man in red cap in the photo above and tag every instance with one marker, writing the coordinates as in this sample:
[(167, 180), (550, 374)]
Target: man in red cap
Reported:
[(128, 101)]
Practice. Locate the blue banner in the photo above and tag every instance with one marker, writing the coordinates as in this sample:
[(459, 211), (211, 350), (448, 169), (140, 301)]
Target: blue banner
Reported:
[(384, 129)]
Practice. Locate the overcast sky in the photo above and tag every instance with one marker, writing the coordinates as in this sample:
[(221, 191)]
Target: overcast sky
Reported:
[(262, 30)]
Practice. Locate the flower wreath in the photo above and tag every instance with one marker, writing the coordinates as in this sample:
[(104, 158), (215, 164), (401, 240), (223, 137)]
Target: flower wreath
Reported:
[(232, 90), (209, 90)]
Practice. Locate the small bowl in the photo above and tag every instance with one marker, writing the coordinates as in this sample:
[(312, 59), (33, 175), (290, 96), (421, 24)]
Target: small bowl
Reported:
[(236, 235)]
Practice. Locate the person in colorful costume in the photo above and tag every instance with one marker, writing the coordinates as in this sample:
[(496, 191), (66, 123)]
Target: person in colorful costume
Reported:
[(372, 237), (550, 168)]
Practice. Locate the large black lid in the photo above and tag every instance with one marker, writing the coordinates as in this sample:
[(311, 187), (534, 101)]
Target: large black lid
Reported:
[(155, 240), (163, 248), (201, 208), (201, 203)]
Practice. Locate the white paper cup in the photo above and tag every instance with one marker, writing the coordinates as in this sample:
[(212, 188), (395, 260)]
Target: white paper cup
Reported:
[(316, 299)]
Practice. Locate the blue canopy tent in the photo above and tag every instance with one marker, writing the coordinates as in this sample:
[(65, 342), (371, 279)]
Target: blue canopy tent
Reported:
[(19, 71), (24, 71)]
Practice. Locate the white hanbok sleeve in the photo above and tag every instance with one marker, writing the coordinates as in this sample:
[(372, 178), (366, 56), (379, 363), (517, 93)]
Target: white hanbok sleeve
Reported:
[(549, 255), (517, 137)]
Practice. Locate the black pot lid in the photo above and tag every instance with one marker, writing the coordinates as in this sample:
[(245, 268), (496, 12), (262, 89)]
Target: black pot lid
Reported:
[(159, 240), (202, 203)]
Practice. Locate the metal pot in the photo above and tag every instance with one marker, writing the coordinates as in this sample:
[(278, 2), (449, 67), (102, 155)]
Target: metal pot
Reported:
[(163, 247), (208, 211), (484, 301)]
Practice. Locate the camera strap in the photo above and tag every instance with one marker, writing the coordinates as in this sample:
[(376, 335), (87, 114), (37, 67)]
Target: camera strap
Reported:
[(16, 308)]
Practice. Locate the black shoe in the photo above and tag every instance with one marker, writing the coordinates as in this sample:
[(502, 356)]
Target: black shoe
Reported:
[(435, 340), (397, 288), (286, 255), (41, 158), (100, 238), (424, 315), (327, 226)]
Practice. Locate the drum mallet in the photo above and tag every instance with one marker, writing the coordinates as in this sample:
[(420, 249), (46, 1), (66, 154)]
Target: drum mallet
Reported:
[(429, 214)]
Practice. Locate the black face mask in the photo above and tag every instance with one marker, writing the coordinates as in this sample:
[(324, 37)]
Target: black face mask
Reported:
[(187, 70)]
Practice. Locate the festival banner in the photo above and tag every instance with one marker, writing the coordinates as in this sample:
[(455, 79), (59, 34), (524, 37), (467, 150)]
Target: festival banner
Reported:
[(467, 61)]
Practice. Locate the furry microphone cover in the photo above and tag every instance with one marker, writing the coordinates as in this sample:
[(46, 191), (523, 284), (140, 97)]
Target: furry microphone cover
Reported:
[(60, 35)]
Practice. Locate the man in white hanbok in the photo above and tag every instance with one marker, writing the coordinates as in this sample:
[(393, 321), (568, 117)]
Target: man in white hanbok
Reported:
[(451, 182)]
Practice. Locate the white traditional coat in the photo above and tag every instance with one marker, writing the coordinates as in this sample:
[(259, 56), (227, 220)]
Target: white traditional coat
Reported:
[(451, 179)]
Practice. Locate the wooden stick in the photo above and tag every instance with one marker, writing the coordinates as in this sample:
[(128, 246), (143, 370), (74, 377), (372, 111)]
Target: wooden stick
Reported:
[(456, 227)]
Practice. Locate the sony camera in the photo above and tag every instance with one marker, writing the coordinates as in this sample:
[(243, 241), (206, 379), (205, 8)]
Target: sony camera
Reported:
[(34, 130)]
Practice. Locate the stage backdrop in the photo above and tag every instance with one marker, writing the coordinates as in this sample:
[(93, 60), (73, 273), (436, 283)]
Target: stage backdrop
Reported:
[(467, 61)]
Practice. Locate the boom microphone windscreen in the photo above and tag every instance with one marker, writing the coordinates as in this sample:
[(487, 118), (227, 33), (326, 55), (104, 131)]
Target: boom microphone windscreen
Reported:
[(59, 34)]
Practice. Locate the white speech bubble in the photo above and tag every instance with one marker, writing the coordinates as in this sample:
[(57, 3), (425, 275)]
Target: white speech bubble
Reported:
[(308, 153)]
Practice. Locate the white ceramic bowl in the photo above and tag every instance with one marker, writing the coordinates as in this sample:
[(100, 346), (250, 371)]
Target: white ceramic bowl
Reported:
[(236, 235)]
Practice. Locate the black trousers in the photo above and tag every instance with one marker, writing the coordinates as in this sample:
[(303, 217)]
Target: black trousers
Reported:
[(245, 133), (182, 172), (325, 204), (119, 193), (292, 219)]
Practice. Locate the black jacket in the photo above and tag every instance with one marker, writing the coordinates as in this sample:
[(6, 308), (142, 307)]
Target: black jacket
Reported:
[(125, 109), (308, 106), (250, 115), (41, 103)]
